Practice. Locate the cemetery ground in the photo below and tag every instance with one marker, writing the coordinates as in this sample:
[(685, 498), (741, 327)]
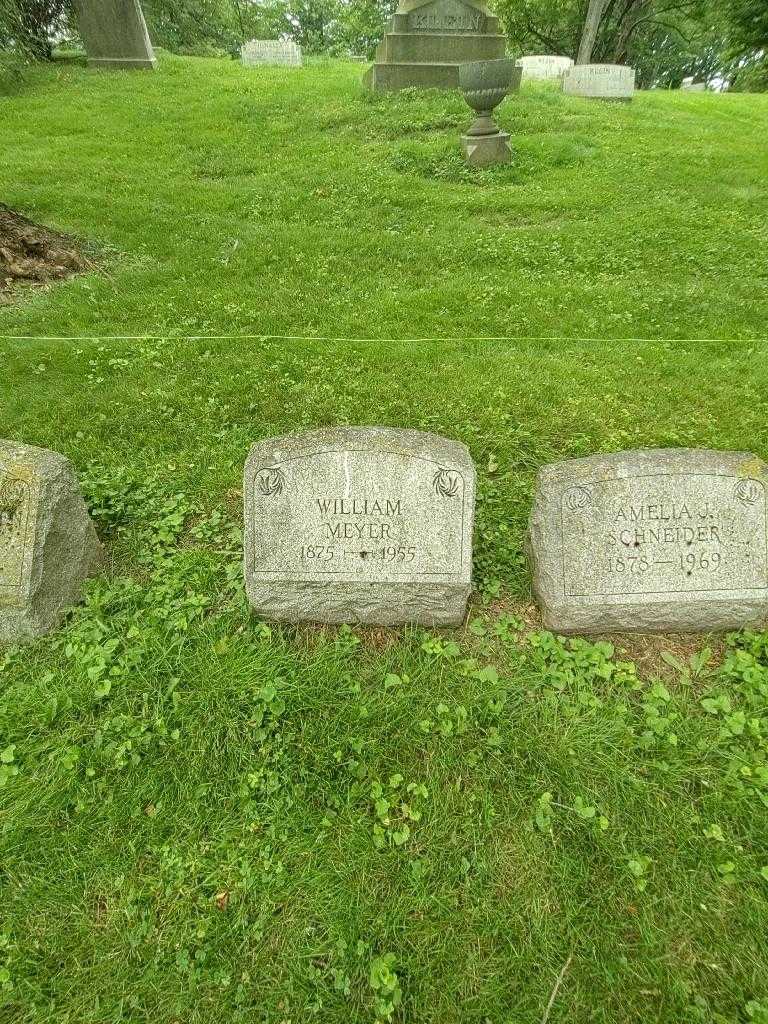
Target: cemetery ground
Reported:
[(209, 818)]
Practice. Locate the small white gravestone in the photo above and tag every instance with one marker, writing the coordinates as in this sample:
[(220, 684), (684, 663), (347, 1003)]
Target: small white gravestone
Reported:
[(652, 540), (48, 545), (600, 81), (258, 52), (367, 524), (691, 85), (543, 67)]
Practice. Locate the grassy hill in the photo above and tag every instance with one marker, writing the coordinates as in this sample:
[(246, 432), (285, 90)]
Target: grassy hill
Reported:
[(207, 818)]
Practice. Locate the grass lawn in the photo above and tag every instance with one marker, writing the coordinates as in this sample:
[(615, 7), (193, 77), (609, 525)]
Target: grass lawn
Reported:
[(204, 818)]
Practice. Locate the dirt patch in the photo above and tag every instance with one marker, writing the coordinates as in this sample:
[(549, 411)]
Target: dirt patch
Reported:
[(33, 254), (645, 650)]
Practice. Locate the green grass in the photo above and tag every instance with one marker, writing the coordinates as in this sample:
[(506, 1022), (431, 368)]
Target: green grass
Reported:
[(202, 816)]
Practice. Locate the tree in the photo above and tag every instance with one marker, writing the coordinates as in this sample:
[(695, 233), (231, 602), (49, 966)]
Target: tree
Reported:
[(28, 26), (592, 21)]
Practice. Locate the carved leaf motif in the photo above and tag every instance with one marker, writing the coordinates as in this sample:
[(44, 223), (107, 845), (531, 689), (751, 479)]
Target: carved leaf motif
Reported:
[(446, 483), (577, 498), (270, 482), (748, 491)]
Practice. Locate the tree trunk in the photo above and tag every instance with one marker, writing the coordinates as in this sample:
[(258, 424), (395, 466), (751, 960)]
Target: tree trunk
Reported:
[(589, 32)]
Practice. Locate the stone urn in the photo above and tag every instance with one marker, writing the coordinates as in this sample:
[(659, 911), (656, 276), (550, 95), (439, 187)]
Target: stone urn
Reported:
[(484, 84)]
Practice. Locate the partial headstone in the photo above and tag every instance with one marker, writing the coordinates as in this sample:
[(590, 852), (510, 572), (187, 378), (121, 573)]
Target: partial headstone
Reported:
[(543, 67), (115, 34), (426, 40), (282, 52), (48, 545), (690, 85), (600, 81), (365, 524), (651, 541)]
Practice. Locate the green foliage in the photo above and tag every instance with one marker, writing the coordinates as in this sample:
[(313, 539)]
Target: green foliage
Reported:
[(205, 817)]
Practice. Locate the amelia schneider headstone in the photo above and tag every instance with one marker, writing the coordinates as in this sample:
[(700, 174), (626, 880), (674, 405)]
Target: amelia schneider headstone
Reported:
[(647, 541), (48, 545), (359, 525)]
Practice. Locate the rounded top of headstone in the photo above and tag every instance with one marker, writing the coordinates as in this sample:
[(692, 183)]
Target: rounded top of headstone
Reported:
[(656, 460), (375, 438)]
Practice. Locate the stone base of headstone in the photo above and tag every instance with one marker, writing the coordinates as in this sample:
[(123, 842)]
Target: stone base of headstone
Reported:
[(667, 540), (115, 34), (486, 150), (426, 40), (48, 545), (359, 525)]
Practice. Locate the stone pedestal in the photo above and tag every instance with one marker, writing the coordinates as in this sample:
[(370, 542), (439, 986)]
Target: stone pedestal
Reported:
[(115, 34), (427, 40), (486, 150)]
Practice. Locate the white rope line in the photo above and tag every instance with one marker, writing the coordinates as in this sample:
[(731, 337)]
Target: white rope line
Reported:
[(324, 337)]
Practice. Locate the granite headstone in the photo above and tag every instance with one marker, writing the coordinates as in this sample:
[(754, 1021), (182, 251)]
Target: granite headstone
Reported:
[(543, 67), (426, 40), (259, 52), (48, 545), (600, 81), (366, 524), (115, 34), (650, 541)]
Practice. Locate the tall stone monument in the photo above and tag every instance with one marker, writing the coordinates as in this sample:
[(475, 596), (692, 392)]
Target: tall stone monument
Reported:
[(651, 541), (427, 40), (48, 545), (365, 524), (115, 34)]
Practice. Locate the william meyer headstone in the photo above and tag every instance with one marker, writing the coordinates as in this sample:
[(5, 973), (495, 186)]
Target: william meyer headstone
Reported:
[(48, 545), (651, 541), (365, 524)]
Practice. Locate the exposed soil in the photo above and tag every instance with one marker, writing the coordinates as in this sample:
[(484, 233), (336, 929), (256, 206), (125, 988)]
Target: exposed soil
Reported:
[(33, 254)]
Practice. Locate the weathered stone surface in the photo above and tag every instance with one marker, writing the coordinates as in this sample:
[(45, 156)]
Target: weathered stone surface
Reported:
[(542, 67), (48, 545), (362, 524), (486, 150), (426, 40), (600, 81), (690, 85), (650, 541), (115, 34), (258, 52)]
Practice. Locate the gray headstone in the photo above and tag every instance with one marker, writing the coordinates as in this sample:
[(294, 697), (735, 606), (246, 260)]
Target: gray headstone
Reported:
[(364, 524), (426, 40), (115, 34), (600, 81), (543, 67), (650, 541), (48, 545), (259, 52)]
